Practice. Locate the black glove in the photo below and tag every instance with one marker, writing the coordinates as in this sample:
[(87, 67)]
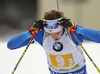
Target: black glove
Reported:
[(67, 24), (37, 25)]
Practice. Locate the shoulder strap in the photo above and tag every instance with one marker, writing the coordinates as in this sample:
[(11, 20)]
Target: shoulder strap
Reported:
[(45, 35), (68, 34)]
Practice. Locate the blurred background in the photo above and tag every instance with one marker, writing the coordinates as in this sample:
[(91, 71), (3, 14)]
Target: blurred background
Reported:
[(17, 16)]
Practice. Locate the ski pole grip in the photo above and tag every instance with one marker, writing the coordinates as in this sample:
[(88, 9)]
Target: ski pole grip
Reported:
[(34, 34), (72, 32)]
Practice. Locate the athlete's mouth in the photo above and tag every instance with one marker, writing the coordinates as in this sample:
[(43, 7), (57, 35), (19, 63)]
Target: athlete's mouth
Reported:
[(56, 39)]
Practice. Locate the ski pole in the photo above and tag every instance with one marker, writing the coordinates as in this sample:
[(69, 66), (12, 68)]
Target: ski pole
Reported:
[(25, 50), (57, 4), (84, 50)]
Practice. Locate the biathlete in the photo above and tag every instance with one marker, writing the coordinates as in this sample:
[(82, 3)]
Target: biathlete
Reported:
[(64, 55)]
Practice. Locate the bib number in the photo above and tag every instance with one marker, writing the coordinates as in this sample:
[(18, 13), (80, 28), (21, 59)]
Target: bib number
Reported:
[(62, 60)]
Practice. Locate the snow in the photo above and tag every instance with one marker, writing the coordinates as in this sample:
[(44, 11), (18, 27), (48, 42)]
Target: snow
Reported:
[(34, 60)]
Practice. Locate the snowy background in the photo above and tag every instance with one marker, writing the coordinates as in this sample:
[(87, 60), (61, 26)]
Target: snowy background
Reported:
[(34, 61)]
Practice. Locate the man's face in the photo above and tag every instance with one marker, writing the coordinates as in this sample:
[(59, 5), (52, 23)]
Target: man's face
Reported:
[(57, 35)]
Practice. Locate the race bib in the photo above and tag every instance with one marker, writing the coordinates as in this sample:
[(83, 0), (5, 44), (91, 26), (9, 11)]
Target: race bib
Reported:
[(62, 60)]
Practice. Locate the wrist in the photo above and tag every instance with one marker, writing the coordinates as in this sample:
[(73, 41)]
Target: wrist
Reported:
[(31, 32), (73, 27)]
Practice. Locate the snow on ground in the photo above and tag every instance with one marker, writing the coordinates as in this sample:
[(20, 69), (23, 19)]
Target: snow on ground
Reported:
[(34, 61)]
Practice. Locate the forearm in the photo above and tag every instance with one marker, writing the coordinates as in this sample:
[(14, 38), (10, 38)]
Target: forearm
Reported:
[(19, 40), (93, 35)]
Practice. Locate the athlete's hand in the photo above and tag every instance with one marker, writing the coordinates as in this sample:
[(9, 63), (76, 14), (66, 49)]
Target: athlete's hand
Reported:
[(68, 24), (37, 25)]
